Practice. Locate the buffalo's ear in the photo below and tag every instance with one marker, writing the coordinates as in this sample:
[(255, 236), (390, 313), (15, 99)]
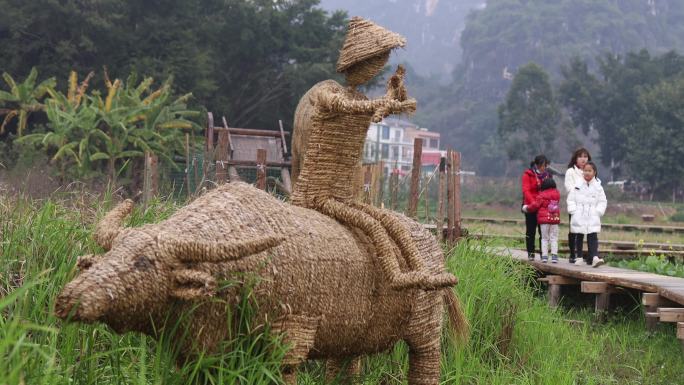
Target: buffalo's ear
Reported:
[(111, 225), (193, 284)]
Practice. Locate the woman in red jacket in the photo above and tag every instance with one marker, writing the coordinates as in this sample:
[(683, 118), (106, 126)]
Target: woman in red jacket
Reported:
[(531, 185)]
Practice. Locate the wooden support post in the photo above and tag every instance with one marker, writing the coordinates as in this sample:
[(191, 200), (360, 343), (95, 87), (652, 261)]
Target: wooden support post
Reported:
[(209, 134), (602, 306), (221, 157), (457, 195), (671, 314), (195, 166), (426, 190), (680, 333), (380, 183), (450, 196), (555, 282), (602, 291), (187, 164), (651, 302), (394, 187), (285, 176), (233, 175), (440, 199), (261, 169), (415, 177), (209, 149), (554, 295), (367, 183), (151, 177)]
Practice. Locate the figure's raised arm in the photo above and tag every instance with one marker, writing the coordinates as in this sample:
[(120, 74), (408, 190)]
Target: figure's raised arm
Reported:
[(336, 102)]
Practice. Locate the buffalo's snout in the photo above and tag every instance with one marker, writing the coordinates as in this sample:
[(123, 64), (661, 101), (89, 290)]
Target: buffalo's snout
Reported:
[(80, 305)]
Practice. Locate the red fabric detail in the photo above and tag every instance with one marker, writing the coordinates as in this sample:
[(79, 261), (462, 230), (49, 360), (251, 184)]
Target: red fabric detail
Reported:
[(530, 186), (541, 204)]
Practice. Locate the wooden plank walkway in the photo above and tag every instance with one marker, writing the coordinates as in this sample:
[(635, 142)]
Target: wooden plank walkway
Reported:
[(671, 288), (662, 296), (611, 226)]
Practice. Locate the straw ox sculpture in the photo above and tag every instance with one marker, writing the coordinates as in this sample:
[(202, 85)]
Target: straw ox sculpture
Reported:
[(320, 281), (322, 284)]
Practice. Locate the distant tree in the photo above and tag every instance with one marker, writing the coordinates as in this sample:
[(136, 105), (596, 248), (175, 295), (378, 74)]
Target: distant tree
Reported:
[(609, 101), (529, 117), (507, 34), (250, 60), (655, 141)]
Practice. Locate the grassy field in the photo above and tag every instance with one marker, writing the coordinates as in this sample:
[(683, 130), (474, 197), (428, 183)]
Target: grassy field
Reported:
[(515, 339)]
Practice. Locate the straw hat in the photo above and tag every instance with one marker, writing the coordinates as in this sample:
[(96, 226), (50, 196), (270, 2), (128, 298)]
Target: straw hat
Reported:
[(366, 39)]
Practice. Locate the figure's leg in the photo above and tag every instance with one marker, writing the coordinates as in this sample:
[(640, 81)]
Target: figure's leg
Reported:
[(389, 264), (402, 237), (298, 332)]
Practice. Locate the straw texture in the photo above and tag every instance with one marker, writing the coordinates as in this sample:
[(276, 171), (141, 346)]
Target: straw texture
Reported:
[(339, 118), (321, 284), (364, 40)]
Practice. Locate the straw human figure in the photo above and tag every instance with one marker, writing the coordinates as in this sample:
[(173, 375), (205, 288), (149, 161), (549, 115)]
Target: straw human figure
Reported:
[(331, 123)]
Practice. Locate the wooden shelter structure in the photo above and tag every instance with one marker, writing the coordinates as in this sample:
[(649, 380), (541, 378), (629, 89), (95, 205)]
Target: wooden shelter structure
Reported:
[(239, 148)]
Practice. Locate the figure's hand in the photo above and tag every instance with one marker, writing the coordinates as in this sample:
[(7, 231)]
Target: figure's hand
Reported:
[(395, 85), (393, 106)]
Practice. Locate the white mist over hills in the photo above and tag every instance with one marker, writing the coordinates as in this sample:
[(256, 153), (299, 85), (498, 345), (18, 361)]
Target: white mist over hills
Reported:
[(432, 27)]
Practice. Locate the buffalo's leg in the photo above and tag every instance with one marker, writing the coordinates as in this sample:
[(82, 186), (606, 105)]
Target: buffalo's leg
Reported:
[(402, 237), (298, 333), (351, 371), (423, 337)]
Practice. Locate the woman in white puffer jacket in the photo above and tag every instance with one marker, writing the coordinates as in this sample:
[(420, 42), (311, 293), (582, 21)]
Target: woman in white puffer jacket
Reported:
[(587, 203), (573, 176)]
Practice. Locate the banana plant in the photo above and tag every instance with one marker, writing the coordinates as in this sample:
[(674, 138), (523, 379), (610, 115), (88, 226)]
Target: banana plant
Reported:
[(131, 118), (23, 99)]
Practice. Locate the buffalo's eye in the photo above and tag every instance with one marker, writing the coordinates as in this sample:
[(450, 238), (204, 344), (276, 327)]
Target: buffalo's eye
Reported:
[(143, 263)]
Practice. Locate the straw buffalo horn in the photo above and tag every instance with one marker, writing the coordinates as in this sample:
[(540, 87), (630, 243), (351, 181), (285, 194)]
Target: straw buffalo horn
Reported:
[(196, 251), (110, 226)]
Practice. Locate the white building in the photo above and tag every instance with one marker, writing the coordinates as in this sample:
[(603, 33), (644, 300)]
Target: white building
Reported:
[(391, 141)]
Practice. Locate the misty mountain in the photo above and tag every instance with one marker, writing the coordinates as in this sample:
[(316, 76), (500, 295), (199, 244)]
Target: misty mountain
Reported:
[(432, 28), (507, 34)]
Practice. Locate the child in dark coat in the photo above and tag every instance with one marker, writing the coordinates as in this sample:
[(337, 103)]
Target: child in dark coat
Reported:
[(547, 207)]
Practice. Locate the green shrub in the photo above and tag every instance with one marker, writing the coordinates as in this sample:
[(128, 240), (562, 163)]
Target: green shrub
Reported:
[(678, 216)]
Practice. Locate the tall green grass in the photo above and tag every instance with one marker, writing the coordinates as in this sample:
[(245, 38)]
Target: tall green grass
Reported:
[(516, 338)]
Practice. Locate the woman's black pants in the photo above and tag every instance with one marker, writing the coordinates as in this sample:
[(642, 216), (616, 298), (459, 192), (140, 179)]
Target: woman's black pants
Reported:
[(571, 239), (531, 228), (592, 242)]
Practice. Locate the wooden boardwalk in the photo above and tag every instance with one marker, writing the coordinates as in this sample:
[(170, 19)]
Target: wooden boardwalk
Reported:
[(662, 296), (611, 226)]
